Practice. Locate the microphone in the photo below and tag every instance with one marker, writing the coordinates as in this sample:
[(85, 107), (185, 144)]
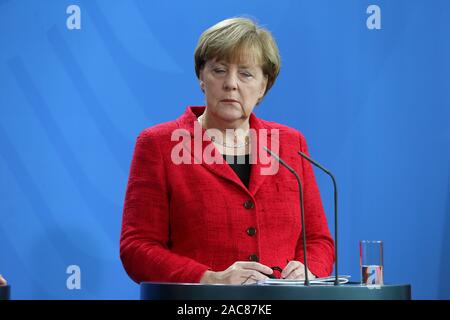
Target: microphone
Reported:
[(302, 210), (336, 280)]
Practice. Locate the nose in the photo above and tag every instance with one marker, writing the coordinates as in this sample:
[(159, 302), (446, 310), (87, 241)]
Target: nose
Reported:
[(231, 82)]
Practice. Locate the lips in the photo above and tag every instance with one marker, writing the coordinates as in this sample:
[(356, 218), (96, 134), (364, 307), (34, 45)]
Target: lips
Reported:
[(229, 101)]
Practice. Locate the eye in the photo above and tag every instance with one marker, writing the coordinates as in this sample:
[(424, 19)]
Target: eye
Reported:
[(219, 70), (246, 74)]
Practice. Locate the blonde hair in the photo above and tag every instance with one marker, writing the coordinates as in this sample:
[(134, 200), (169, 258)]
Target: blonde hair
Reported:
[(235, 39)]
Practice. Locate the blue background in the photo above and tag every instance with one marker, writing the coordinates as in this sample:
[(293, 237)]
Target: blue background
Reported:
[(374, 106)]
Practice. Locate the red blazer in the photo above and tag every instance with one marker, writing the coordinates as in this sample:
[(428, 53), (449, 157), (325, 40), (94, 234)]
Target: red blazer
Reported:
[(180, 220)]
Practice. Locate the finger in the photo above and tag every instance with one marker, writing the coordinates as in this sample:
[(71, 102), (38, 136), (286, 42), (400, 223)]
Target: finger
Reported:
[(291, 266), (247, 265), (251, 276), (248, 280), (254, 274), (296, 274)]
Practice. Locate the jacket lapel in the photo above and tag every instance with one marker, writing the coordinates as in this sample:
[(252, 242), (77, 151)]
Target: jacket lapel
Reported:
[(261, 159)]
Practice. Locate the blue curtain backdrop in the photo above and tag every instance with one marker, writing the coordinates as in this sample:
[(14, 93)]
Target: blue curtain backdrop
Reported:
[(373, 103)]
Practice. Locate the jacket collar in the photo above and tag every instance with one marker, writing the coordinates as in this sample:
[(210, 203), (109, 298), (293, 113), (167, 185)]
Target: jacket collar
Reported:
[(187, 121)]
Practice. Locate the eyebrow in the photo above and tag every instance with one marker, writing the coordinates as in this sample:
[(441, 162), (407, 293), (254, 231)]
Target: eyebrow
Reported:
[(241, 66)]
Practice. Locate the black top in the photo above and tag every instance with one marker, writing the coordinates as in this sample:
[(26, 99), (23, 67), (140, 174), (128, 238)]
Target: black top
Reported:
[(240, 165)]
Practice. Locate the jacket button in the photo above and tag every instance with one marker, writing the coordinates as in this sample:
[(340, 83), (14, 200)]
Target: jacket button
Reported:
[(249, 204), (251, 231), (253, 257)]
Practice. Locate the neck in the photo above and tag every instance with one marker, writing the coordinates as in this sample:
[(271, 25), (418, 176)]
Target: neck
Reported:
[(230, 139)]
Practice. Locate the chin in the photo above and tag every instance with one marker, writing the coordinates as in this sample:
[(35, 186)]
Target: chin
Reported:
[(230, 115)]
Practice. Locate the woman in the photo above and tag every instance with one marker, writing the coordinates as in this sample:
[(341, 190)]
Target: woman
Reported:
[(191, 217)]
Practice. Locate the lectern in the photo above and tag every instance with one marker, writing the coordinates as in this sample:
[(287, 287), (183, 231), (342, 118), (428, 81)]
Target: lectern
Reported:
[(349, 291), (4, 292)]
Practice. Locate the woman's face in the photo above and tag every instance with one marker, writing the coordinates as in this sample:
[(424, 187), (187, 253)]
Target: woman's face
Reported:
[(232, 90)]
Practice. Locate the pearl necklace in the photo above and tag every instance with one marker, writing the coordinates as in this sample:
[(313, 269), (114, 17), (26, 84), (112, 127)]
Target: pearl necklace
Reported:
[(235, 146)]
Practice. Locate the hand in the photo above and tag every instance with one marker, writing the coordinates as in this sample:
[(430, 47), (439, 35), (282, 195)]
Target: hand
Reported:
[(2, 281), (296, 270), (240, 272)]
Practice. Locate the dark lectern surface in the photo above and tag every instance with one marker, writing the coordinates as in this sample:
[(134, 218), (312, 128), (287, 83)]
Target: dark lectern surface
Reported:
[(4, 292), (177, 291)]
